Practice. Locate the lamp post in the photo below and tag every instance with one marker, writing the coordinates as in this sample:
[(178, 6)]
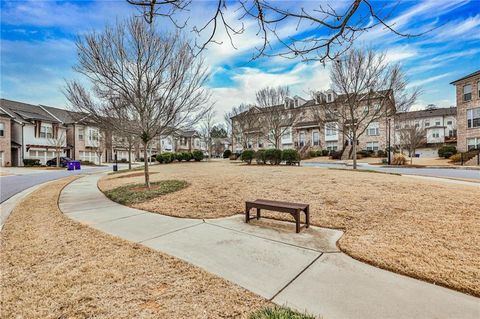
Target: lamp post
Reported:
[(389, 148), (115, 167)]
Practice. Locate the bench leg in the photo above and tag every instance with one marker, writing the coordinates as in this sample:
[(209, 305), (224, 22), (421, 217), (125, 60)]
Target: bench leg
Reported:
[(297, 222), (307, 216), (247, 213), (258, 213)]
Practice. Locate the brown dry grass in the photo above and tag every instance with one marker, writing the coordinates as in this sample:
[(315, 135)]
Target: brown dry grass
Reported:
[(52, 267), (421, 228)]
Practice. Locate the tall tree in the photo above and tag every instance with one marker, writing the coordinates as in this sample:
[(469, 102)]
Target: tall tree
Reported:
[(412, 137), (58, 141), (206, 126), (277, 117), (367, 88), (142, 82), (245, 124)]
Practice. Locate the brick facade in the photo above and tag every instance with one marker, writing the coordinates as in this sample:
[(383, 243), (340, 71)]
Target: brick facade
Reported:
[(463, 132), (5, 142)]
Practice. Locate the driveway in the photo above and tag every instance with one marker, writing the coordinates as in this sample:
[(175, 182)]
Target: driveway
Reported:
[(305, 271), (455, 173), (23, 178)]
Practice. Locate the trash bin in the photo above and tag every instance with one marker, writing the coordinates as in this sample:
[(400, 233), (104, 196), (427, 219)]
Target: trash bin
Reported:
[(115, 168), (77, 164), (70, 166)]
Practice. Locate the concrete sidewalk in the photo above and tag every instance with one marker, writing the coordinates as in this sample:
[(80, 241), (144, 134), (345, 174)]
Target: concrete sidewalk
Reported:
[(305, 271)]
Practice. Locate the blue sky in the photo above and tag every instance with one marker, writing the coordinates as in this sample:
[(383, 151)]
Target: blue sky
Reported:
[(38, 51)]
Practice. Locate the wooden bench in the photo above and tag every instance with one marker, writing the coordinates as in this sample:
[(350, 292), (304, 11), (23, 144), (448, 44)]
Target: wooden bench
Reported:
[(285, 207)]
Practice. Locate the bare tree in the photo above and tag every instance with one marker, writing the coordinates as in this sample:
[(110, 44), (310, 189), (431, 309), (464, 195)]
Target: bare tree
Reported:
[(58, 142), (245, 124), (411, 137), (277, 117), (142, 82), (206, 126), (336, 27), (366, 89)]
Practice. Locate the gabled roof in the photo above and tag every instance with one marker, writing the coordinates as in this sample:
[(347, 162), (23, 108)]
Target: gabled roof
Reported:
[(26, 112), (66, 116), (466, 77), (444, 111)]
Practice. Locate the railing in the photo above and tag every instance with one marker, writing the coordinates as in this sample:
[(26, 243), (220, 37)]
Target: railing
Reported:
[(467, 156)]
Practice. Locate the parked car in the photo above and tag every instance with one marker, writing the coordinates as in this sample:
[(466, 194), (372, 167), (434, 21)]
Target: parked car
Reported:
[(63, 161)]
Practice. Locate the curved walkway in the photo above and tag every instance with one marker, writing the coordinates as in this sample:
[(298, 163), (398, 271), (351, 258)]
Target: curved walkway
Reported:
[(305, 271)]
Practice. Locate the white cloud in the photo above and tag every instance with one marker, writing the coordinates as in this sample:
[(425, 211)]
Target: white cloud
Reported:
[(302, 79), (431, 79)]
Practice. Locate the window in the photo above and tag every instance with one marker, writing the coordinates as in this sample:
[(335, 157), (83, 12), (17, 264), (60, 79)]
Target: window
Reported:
[(260, 145), (377, 107), (2, 129), (302, 138), (473, 143), (372, 146), (81, 133), (46, 132), (437, 123), (287, 134), (427, 124), (332, 146), (373, 129), (316, 138), (331, 129), (449, 122), (330, 97), (467, 92), (473, 118), (435, 134)]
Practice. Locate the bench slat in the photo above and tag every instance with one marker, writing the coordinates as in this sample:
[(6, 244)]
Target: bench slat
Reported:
[(274, 203)]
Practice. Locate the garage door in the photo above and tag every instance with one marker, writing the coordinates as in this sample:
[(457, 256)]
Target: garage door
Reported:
[(1, 158)]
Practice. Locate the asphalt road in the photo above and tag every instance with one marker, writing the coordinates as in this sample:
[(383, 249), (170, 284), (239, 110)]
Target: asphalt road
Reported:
[(454, 173), (13, 184)]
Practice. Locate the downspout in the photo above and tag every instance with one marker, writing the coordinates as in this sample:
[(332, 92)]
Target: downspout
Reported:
[(23, 145)]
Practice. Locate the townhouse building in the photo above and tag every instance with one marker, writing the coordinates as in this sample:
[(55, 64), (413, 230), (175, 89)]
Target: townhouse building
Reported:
[(315, 125), (85, 141), (6, 139), (439, 125), (34, 133), (468, 111)]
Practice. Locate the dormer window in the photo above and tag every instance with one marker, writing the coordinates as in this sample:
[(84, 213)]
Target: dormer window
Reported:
[(295, 102), (329, 97)]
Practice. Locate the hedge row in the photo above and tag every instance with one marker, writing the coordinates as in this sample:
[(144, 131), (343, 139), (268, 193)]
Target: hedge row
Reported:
[(271, 156), (165, 158)]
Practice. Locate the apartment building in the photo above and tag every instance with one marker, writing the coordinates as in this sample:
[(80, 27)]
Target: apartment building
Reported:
[(468, 111), (438, 124), (6, 139), (316, 127), (34, 133)]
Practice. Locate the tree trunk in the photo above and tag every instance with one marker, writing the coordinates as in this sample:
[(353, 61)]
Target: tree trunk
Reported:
[(354, 150), (145, 161)]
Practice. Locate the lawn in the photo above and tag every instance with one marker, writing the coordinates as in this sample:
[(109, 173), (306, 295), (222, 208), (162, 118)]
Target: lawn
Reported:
[(421, 228), (53, 267)]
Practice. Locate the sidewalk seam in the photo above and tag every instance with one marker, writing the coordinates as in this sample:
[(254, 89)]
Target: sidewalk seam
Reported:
[(170, 232), (295, 278)]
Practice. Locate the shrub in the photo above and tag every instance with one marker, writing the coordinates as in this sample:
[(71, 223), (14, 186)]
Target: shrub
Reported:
[(447, 151), (233, 157), (456, 158), (29, 162), (313, 153), (197, 155), (381, 153), (165, 158), (247, 156), (260, 157), (123, 160), (273, 156), (399, 159), (227, 153), (187, 156), (290, 156), (325, 152)]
